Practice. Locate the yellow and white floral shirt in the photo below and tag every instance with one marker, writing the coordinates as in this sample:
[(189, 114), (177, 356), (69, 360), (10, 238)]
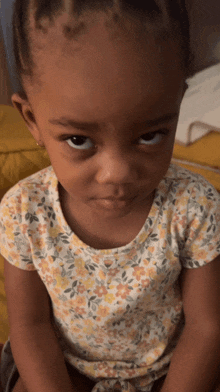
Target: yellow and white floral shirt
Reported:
[(116, 312)]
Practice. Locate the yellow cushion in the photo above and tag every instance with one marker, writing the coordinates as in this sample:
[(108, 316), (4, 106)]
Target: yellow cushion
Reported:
[(19, 154), (202, 156), (19, 157)]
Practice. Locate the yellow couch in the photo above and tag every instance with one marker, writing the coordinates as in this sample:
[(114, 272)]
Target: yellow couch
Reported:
[(202, 157), (20, 157)]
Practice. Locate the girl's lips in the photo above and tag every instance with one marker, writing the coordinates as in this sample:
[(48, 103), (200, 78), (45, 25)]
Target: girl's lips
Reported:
[(114, 203)]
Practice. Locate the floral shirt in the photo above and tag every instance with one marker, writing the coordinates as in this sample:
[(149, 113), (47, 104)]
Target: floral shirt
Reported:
[(116, 311)]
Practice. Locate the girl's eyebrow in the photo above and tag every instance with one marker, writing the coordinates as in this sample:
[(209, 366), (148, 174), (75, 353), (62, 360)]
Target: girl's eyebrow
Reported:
[(71, 123), (165, 118)]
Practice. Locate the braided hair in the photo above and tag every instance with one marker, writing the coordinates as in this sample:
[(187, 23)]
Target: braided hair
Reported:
[(168, 15)]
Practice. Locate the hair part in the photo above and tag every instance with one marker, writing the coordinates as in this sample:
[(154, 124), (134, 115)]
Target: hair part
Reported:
[(163, 14)]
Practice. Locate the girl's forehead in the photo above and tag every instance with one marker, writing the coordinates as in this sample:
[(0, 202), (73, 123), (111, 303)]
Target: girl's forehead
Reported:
[(99, 71), (93, 34)]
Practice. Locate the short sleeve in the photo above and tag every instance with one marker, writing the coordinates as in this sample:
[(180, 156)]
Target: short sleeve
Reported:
[(14, 242), (202, 234)]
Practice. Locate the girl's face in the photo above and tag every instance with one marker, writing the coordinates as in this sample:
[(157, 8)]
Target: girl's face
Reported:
[(107, 113)]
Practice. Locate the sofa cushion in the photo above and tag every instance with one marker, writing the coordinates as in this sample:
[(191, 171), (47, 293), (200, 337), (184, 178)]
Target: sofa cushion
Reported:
[(19, 157), (202, 157), (19, 154)]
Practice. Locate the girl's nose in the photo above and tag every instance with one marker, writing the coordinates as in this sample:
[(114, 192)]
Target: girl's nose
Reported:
[(115, 168)]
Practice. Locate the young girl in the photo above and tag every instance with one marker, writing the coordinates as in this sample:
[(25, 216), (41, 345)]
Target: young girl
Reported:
[(112, 254)]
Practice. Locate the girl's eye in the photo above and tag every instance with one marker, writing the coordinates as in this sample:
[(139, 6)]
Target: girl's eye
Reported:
[(80, 142), (153, 137)]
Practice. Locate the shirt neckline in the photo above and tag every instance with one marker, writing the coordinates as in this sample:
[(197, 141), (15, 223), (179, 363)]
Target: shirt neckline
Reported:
[(144, 232)]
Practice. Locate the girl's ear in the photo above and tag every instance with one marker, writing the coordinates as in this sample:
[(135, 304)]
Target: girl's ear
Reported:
[(24, 108)]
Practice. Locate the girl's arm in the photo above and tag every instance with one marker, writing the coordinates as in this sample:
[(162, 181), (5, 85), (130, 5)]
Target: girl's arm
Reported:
[(196, 361), (35, 348)]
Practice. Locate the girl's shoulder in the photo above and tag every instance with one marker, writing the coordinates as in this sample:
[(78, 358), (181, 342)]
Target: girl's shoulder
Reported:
[(34, 184), (33, 189), (182, 182)]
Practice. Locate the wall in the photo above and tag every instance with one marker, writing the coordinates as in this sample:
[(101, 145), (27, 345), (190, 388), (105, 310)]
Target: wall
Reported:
[(5, 86), (5, 21), (205, 32)]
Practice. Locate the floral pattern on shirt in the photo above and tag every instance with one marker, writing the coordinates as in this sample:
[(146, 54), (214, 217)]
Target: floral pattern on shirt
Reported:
[(116, 311)]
